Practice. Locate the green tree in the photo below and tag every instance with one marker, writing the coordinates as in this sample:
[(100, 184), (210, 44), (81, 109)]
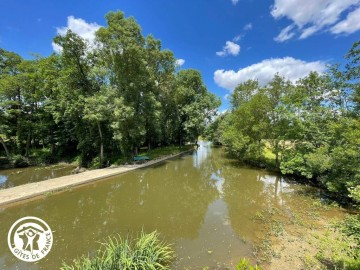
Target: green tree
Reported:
[(74, 86), (196, 106)]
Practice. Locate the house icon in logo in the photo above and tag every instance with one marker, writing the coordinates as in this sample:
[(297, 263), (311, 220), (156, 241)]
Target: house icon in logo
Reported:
[(30, 237)]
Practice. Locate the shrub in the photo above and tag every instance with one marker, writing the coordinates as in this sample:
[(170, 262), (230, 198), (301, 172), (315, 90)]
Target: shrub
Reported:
[(95, 163), (351, 227), (43, 156), (20, 161), (342, 250), (146, 253), (4, 161)]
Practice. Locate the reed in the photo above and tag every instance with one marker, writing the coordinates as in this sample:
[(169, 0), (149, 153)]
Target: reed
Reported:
[(147, 252)]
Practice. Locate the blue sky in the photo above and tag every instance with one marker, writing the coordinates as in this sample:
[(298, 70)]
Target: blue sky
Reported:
[(229, 41)]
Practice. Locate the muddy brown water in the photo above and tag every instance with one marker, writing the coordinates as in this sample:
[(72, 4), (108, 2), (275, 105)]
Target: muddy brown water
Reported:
[(204, 203), (20, 176)]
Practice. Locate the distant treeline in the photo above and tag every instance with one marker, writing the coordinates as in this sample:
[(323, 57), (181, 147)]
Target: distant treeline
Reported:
[(100, 100), (310, 128)]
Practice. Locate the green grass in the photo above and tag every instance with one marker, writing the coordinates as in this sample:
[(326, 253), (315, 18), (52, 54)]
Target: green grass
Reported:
[(147, 252), (165, 151), (244, 264), (155, 153)]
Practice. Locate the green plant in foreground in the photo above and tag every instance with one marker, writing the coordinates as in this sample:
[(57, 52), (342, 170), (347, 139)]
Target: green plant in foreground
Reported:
[(244, 264), (147, 252), (351, 227), (337, 252)]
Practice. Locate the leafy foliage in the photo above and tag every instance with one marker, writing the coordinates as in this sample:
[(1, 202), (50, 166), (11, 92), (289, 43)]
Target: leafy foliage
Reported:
[(147, 252), (100, 101), (311, 126), (244, 264)]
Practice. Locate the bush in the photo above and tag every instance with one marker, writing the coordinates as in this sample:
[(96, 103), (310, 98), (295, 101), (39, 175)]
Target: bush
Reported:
[(351, 227), (96, 164), (146, 253), (20, 161), (43, 156), (4, 161), (342, 250)]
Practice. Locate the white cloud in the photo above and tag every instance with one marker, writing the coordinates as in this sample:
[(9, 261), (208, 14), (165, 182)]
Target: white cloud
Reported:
[(290, 68), (248, 27), (350, 25), (285, 34), (56, 48), (234, 2), (180, 62), (80, 27), (230, 48), (223, 111), (238, 37), (307, 32), (311, 16)]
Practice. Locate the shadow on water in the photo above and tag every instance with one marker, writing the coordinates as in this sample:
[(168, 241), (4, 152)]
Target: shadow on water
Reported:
[(200, 202)]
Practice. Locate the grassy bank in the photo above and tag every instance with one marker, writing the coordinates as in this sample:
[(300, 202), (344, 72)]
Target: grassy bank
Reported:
[(308, 238), (43, 157), (155, 153), (311, 237)]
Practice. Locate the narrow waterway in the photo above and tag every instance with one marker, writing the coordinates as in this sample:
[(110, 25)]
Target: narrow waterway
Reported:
[(20, 176), (205, 203)]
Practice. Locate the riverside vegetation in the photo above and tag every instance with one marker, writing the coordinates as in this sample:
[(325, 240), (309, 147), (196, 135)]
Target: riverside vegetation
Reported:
[(309, 129), (147, 252), (102, 102), (99, 102)]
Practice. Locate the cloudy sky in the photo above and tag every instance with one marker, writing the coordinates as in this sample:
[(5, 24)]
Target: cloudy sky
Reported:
[(229, 41)]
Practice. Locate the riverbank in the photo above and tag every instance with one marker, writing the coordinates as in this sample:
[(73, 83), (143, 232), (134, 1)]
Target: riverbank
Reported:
[(305, 236), (36, 190)]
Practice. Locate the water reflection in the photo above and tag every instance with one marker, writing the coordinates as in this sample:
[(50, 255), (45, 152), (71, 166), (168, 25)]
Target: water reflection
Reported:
[(219, 181), (275, 186), (201, 154), (204, 203), (3, 179)]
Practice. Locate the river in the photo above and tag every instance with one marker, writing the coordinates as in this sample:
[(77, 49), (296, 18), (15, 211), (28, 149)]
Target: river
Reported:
[(20, 176), (212, 209)]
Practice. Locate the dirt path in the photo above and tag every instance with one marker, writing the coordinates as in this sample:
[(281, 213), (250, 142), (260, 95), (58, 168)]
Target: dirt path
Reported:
[(36, 190)]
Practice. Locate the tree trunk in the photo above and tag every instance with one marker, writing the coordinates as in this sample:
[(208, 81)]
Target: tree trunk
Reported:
[(5, 148), (28, 144), (52, 141), (101, 145), (277, 153), (196, 144)]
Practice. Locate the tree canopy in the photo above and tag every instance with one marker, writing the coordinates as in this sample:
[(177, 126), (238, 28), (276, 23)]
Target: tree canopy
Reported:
[(309, 128), (100, 100)]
